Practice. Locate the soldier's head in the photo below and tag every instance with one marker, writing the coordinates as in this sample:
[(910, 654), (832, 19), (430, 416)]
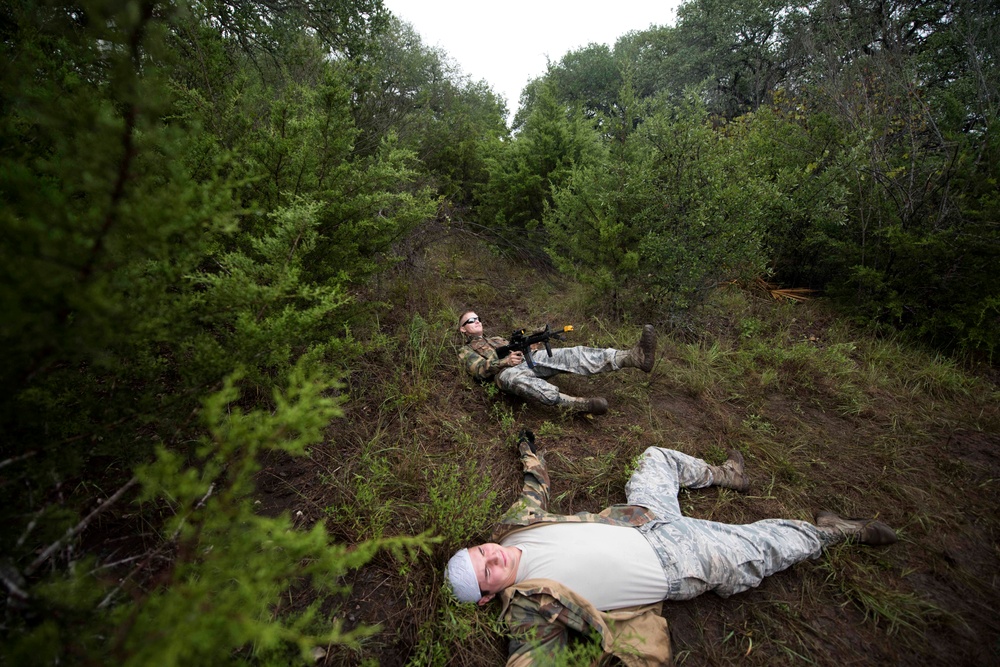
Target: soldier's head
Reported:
[(478, 573), (470, 324)]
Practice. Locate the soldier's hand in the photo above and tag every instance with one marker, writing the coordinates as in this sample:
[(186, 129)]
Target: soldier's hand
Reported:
[(515, 358), (528, 438)]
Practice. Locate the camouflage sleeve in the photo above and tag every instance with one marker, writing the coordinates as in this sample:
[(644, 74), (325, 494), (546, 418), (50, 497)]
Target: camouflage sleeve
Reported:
[(536, 478), (534, 498), (477, 365), (533, 636)]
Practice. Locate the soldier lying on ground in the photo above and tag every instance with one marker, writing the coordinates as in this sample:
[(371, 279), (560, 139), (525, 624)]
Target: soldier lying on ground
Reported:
[(513, 375), (608, 572)]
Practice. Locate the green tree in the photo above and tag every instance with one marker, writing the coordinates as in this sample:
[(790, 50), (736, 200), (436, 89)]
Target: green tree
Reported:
[(673, 210), (526, 170), (734, 52), (449, 122), (909, 91), (590, 78), (182, 210)]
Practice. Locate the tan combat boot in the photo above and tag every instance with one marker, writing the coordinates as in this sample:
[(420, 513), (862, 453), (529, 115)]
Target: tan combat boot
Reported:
[(595, 405), (866, 531), (642, 355), (730, 474)]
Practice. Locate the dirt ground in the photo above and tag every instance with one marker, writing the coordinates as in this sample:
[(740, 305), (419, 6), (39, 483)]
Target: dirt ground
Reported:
[(927, 464)]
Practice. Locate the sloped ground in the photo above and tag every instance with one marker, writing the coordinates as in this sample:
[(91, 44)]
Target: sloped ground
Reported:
[(827, 417)]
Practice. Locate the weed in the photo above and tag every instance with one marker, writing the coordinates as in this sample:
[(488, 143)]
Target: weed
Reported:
[(601, 475), (860, 582), (370, 504), (456, 630), (425, 346), (755, 422), (461, 502), (701, 368), (504, 415), (460, 432), (549, 429), (751, 327), (716, 454)]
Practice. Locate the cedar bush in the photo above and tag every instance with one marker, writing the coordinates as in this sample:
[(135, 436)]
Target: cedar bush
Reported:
[(183, 221)]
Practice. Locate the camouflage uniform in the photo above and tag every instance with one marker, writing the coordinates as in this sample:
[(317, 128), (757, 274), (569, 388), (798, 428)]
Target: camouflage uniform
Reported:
[(540, 613), (696, 555), (479, 357)]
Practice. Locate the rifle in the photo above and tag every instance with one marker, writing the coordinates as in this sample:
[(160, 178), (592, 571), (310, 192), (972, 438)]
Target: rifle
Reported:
[(521, 341)]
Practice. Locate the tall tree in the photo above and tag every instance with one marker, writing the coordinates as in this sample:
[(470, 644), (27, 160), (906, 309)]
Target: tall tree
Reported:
[(735, 52), (672, 210), (525, 171), (168, 191)]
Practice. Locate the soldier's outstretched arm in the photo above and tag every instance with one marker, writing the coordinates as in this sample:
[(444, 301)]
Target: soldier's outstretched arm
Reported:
[(534, 498)]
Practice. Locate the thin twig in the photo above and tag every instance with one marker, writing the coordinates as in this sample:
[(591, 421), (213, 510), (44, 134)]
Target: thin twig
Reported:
[(75, 530), (116, 563), (14, 582), (15, 459), (153, 554)]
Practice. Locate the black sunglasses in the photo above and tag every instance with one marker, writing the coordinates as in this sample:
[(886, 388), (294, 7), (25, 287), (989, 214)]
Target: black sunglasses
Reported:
[(470, 321)]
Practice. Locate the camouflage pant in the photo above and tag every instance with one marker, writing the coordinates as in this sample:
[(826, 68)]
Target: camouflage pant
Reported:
[(699, 555), (530, 383)]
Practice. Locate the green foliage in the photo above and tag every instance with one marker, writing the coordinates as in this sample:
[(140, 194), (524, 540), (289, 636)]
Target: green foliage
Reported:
[(590, 77), (858, 161), (182, 209), (655, 225), (462, 503), (227, 566), (524, 173)]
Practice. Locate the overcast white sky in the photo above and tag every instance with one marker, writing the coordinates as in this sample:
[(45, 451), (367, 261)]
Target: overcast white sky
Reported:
[(506, 43)]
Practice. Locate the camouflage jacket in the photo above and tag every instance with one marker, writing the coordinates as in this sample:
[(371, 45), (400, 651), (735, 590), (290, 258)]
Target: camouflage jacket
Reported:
[(540, 613), (479, 356)]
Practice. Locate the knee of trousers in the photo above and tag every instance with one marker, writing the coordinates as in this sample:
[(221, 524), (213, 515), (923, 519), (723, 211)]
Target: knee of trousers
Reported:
[(530, 387)]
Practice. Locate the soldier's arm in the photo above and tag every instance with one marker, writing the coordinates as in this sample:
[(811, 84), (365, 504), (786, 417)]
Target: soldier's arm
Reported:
[(536, 475), (535, 634), (479, 366), (542, 644), (534, 498)]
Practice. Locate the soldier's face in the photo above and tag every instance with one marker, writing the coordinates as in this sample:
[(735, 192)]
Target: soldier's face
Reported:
[(495, 567), (471, 325)]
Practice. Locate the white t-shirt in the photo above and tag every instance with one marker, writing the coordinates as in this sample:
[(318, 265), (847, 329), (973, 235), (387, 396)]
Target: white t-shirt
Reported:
[(611, 566)]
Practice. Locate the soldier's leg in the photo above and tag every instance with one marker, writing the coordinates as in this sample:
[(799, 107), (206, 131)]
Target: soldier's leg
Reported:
[(700, 556), (589, 360), (522, 381), (737, 558), (579, 360), (662, 472)]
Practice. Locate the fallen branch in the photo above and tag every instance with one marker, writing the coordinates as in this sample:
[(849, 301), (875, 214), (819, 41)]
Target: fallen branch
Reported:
[(15, 459), (154, 553), (78, 528)]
